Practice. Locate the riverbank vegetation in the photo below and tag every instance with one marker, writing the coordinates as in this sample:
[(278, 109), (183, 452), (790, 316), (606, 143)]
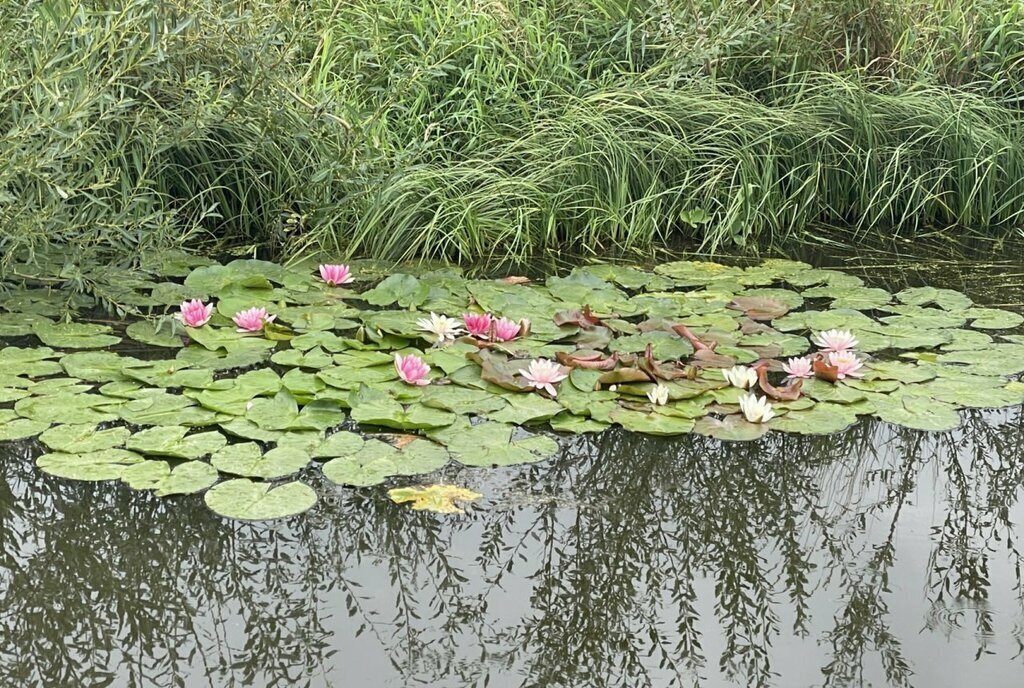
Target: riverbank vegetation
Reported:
[(479, 129)]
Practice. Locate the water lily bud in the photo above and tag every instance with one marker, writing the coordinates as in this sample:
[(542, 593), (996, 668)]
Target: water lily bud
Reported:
[(524, 327), (361, 334)]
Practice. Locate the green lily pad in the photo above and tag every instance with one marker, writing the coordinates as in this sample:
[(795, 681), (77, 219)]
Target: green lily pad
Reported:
[(918, 413), (248, 460), (75, 335), (568, 422), (245, 500), (525, 408), (906, 373), (14, 428), (234, 396), (341, 443), (282, 412), (166, 409), (187, 478), (69, 408), (946, 299), (373, 407), (168, 333), (463, 400), (993, 318), (375, 461), (173, 441), (81, 439), (107, 464), (494, 444), (731, 428), (652, 423), (822, 419), (405, 290)]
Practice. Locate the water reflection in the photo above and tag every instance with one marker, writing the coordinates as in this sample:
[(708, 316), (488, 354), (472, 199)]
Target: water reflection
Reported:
[(880, 556)]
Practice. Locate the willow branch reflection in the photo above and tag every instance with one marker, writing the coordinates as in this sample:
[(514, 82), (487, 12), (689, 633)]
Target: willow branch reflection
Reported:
[(624, 560)]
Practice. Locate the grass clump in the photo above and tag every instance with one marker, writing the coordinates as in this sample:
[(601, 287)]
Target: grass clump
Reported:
[(467, 129)]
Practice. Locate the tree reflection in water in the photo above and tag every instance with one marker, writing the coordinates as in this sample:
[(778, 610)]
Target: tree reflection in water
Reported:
[(625, 561)]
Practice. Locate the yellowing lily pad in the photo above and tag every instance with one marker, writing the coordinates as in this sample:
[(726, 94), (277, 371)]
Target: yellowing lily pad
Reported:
[(439, 499)]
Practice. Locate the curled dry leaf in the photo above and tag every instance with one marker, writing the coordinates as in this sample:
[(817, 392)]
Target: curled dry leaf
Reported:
[(698, 345), (591, 360), (790, 392), (584, 317), (824, 371)]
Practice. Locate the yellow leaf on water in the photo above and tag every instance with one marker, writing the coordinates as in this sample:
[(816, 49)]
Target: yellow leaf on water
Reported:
[(437, 498)]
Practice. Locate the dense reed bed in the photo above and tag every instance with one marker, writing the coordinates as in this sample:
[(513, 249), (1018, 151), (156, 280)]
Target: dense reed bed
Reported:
[(473, 129)]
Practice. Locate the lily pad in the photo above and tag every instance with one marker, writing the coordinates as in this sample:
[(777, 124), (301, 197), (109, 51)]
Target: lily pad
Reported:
[(14, 428), (375, 461), (282, 412), (75, 335), (173, 441), (81, 439), (107, 464), (187, 478), (373, 407), (918, 413), (245, 500), (248, 460), (439, 499), (495, 444)]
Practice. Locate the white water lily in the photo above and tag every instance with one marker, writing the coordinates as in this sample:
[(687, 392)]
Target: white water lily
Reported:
[(740, 376), (659, 395), (441, 326), (756, 409)]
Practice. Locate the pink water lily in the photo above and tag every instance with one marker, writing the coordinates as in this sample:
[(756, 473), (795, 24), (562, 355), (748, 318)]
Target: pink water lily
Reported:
[(543, 374), (194, 313), (505, 330), (412, 369), (335, 274), (477, 324), (847, 363), (835, 340), (252, 320), (798, 368)]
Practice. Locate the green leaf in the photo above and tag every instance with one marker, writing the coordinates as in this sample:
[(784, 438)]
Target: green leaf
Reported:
[(81, 439), (166, 409), (246, 500), (14, 428), (732, 428), (463, 400), (373, 407), (341, 443), (172, 441), (99, 366), (652, 423), (993, 318), (917, 413), (186, 478), (405, 290), (567, 422), (169, 333), (248, 460), (495, 444), (75, 335), (823, 419), (525, 408), (375, 461), (282, 413), (69, 408), (946, 299), (234, 396), (107, 464)]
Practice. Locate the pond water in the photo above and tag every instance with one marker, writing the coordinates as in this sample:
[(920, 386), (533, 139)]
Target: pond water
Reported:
[(879, 556)]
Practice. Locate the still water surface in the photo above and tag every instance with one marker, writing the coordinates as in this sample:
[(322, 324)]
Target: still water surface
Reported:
[(878, 557)]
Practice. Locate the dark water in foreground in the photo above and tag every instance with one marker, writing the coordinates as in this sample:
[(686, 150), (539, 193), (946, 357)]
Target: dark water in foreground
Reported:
[(878, 557)]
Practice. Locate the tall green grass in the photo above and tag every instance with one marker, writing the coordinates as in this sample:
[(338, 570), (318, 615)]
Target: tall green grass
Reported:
[(469, 129)]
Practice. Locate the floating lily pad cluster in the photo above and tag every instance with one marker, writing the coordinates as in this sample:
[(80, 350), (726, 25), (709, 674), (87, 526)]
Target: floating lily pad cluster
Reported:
[(243, 415)]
